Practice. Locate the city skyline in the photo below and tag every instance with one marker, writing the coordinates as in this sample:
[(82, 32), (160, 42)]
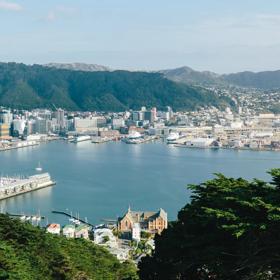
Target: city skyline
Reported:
[(151, 35)]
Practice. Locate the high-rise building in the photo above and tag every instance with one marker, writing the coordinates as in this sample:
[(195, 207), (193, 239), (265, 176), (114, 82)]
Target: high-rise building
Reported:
[(6, 117), (61, 120)]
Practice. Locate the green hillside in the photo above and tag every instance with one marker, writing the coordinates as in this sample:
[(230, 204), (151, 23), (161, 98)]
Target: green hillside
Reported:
[(28, 253), (28, 87)]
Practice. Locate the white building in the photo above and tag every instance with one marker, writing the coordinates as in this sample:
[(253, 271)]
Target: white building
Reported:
[(87, 124), (54, 229), (69, 231), (19, 126), (136, 232), (117, 123), (105, 235)]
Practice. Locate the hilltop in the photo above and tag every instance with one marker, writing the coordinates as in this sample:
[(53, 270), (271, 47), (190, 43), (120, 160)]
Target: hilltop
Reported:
[(263, 80), (28, 87)]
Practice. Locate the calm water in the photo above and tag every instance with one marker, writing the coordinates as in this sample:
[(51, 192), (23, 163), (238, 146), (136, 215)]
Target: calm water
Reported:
[(100, 181)]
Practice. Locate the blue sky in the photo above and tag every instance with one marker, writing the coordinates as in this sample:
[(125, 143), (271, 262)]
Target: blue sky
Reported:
[(217, 35)]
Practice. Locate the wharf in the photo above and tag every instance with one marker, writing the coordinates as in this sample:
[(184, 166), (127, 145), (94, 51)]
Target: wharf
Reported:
[(14, 147), (20, 215), (71, 216), (100, 140), (22, 186)]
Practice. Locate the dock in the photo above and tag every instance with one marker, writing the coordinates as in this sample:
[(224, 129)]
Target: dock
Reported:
[(10, 187), (71, 216)]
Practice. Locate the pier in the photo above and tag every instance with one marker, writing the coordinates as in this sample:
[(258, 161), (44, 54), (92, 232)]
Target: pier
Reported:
[(71, 216), (10, 187)]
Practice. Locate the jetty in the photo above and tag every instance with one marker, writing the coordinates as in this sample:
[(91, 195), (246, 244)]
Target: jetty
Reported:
[(73, 217)]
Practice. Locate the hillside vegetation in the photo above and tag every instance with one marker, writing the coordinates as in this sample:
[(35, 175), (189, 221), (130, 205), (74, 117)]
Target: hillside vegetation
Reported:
[(28, 87), (28, 253)]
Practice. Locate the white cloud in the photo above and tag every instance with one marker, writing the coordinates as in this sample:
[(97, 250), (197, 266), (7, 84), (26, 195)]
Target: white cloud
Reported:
[(10, 6), (60, 11)]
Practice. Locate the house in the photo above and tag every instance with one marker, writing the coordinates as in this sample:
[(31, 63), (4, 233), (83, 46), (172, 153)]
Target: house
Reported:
[(105, 236), (69, 231), (153, 222), (54, 229), (82, 232)]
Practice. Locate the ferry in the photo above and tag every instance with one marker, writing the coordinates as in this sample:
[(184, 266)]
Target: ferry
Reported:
[(172, 137), (81, 138), (133, 138)]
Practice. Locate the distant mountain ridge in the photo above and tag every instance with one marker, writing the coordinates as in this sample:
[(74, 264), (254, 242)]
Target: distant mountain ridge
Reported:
[(77, 66), (188, 75), (262, 80)]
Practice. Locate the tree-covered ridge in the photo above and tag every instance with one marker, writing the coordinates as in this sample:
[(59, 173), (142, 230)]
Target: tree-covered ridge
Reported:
[(28, 253), (27, 87), (229, 230)]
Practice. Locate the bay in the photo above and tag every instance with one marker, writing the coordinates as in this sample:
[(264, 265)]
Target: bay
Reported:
[(101, 181)]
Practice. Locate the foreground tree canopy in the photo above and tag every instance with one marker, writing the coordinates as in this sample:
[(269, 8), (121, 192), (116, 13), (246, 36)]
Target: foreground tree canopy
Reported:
[(28, 253), (229, 230)]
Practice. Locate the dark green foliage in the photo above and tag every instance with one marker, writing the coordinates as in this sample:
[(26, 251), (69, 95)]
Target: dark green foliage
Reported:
[(28, 253), (27, 87), (229, 230)]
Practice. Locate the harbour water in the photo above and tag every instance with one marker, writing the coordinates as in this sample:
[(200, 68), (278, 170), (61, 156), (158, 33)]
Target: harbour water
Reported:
[(101, 181)]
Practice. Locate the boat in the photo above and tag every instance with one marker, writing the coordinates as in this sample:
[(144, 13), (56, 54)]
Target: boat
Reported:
[(28, 218), (133, 138), (39, 167), (81, 138), (172, 137), (22, 218)]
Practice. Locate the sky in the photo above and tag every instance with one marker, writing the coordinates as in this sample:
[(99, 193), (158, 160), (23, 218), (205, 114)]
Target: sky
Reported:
[(218, 35)]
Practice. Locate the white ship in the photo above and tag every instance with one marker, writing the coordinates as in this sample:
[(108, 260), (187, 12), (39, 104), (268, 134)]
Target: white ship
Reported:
[(133, 138), (81, 138), (10, 187), (172, 137)]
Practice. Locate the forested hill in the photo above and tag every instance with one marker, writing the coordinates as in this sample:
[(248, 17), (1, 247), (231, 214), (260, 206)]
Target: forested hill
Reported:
[(27, 87), (28, 253)]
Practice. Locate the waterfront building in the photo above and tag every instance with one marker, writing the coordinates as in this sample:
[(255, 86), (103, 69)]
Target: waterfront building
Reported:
[(87, 124), (82, 232), (69, 231), (40, 126), (117, 123), (153, 222), (18, 127), (4, 131), (6, 117), (61, 120), (109, 133), (54, 229)]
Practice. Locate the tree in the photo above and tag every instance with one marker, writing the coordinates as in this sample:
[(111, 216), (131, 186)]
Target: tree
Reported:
[(229, 230)]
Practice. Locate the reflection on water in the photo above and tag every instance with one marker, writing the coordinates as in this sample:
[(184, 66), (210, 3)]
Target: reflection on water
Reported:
[(100, 181)]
